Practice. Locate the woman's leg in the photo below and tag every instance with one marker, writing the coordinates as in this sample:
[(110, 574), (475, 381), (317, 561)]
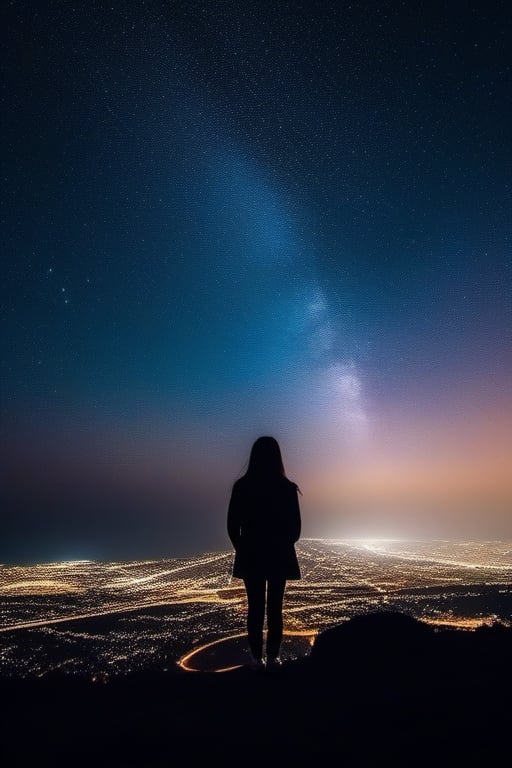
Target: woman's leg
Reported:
[(255, 589), (275, 595)]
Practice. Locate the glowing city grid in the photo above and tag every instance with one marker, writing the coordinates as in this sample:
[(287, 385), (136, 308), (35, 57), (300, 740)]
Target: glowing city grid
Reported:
[(112, 618)]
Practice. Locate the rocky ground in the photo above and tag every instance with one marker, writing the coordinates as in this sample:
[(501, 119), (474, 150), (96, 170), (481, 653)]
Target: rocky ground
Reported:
[(382, 689)]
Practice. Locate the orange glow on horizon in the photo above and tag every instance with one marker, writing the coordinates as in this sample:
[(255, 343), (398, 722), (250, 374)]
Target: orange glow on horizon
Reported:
[(464, 460)]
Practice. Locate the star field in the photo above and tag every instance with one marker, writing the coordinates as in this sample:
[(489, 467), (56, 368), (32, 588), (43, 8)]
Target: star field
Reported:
[(228, 219)]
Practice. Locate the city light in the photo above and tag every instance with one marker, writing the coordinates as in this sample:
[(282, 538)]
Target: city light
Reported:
[(103, 619)]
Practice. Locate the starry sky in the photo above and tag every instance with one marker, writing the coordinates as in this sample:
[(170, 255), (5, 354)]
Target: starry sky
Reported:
[(227, 219)]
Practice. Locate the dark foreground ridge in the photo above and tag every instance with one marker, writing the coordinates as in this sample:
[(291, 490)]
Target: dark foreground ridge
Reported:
[(381, 689)]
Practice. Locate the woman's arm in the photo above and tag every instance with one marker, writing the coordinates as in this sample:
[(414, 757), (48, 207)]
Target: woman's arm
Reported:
[(295, 519), (234, 517)]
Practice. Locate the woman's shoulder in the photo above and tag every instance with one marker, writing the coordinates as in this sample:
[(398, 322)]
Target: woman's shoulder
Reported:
[(291, 485), (247, 484), (240, 485)]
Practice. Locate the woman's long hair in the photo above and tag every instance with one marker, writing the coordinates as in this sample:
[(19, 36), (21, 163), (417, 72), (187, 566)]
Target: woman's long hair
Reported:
[(265, 460)]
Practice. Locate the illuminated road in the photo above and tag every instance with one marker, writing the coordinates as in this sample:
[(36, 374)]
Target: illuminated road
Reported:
[(107, 611), (230, 653)]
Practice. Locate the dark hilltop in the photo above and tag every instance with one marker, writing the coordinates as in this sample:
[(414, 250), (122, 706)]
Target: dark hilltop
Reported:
[(381, 689)]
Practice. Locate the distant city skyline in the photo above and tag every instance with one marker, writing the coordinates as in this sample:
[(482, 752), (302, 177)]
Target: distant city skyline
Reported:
[(222, 221)]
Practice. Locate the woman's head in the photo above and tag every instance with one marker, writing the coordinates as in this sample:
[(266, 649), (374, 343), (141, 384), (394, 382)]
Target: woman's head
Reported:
[(265, 458)]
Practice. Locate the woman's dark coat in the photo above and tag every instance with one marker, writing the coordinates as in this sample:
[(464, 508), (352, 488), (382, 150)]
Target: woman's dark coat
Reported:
[(263, 524)]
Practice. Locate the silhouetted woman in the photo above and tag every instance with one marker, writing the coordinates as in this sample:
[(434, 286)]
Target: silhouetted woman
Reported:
[(263, 524)]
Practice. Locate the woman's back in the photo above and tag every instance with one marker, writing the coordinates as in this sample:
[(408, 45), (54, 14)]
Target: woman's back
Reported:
[(264, 524), (267, 508)]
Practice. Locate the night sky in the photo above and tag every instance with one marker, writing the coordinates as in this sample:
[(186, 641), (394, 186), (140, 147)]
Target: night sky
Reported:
[(227, 219)]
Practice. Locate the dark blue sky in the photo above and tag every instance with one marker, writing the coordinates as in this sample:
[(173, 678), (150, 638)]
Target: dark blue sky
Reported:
[(227, 219)]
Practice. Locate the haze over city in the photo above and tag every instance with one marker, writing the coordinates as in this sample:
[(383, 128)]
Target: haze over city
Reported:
[(222, 221)]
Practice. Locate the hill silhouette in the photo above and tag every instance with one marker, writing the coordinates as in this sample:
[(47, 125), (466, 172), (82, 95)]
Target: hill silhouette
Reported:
[(380, 689)]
